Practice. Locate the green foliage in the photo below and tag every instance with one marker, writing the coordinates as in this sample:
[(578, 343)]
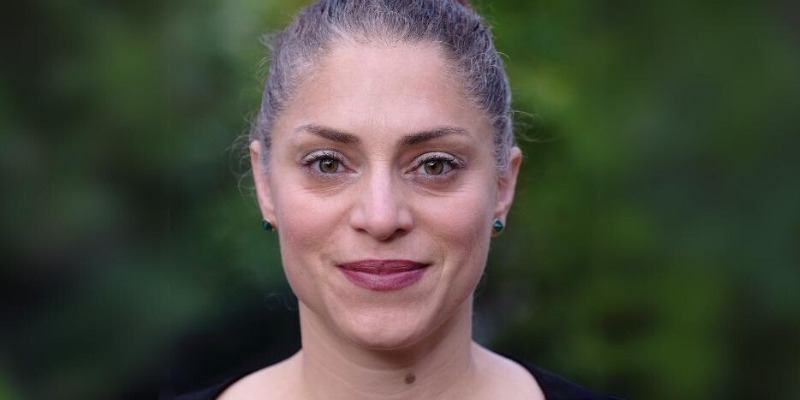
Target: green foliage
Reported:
[(652, 249)]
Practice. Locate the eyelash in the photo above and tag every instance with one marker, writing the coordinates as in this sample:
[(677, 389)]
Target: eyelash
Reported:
[(312, 160), (452, 162)]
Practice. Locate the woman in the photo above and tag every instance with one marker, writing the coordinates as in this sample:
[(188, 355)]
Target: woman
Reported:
[(384, 158)]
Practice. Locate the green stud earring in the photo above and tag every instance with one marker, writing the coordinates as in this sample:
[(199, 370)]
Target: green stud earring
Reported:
[(265, 225), (498, 226)]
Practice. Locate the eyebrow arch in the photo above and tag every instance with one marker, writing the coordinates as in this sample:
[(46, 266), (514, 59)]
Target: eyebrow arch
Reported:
[(424, 136), (330, 134)]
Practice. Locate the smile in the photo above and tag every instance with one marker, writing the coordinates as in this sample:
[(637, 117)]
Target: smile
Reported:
[(383, 275)]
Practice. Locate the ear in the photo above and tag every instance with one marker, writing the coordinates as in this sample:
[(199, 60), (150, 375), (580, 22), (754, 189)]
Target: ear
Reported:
[(506, 185), (263, 192)]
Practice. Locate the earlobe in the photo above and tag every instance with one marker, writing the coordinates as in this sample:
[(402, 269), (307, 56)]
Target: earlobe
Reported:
[(261, 180), (507, 184)]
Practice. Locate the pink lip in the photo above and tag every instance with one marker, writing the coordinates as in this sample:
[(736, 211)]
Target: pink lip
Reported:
[(383, 275)]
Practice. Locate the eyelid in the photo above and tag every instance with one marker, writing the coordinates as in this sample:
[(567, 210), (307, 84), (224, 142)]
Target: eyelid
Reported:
[(453, 161), (437, 155), (310, 158)]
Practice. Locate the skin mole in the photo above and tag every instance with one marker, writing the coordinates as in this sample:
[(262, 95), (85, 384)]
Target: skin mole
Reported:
[(410, 378)]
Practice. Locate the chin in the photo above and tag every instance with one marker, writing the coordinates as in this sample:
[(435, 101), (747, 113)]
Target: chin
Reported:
[(384, 332)]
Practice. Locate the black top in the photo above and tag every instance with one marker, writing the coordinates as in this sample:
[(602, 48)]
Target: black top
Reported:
[(553, 386)]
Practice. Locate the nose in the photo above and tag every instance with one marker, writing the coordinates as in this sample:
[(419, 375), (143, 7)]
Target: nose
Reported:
[(381, 209)]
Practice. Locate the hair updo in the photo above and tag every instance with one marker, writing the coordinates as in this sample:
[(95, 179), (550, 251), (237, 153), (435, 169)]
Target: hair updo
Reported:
[(451, 23)]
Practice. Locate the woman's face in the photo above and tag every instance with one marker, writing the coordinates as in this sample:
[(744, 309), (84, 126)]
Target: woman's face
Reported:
[(382, 186)]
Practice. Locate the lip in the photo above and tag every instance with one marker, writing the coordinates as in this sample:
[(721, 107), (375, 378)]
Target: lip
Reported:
[(383, 275)]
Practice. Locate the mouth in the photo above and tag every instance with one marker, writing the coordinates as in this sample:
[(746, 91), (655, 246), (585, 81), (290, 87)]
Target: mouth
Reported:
[(383, 275)]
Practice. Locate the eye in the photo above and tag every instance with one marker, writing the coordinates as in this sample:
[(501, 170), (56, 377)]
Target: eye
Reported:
[(436, 164), (324, 162), (435, 167), (328, 165)]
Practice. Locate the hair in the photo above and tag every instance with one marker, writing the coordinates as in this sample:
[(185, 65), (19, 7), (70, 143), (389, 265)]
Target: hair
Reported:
[(452, 24)]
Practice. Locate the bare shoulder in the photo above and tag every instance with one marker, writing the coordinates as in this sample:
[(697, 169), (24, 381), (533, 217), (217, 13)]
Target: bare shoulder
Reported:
[(273, 382), (509, 380)]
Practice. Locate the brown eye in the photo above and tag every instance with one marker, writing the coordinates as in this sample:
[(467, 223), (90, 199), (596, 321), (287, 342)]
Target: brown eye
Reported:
[(328, 165), (434, 167)]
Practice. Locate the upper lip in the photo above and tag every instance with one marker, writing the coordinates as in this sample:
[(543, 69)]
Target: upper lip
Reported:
[(382, 267)]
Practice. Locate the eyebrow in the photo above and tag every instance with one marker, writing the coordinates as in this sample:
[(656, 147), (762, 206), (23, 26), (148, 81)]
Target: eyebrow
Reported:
[(425, 136), (408, 140), (330, 134)]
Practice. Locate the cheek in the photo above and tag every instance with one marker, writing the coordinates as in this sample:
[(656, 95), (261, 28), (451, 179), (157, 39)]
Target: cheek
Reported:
[(461, 231), (306, 227), (305, 220), (461, 228), (465, 217), (466, 246)]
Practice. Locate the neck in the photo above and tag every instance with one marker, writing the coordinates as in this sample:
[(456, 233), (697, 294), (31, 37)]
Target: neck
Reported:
[(439, 366)]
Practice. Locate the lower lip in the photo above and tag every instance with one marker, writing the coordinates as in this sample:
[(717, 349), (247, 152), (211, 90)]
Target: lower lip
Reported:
[(384, 282)]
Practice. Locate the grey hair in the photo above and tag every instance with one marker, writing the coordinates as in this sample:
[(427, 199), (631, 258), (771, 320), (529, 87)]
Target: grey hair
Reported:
[(452, 24)]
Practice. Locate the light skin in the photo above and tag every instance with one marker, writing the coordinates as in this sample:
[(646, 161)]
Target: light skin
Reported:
[(380, 156)]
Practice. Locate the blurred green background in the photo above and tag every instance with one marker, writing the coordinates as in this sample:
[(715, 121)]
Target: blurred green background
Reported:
[(653, 249)]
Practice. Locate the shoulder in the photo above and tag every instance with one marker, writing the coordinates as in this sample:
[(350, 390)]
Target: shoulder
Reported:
[(556, 387), (272, 382), (503, 378)]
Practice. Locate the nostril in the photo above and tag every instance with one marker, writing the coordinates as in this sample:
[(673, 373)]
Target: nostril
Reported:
[(383, 222)]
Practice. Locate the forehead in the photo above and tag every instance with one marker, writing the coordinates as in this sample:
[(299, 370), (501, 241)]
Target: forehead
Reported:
[(388, 88)]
